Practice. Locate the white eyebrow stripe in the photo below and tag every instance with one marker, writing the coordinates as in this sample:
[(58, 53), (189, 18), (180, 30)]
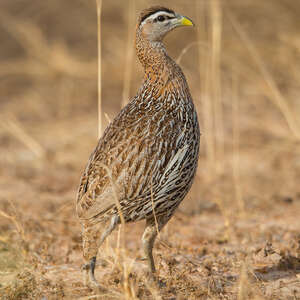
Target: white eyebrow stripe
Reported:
[(158, 13)]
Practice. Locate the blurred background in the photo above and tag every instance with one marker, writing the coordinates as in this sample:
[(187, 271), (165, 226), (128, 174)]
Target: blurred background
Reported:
[(242, 63)]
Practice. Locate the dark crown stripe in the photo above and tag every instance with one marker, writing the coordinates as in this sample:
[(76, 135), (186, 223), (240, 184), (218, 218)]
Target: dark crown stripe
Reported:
[(152, 10)]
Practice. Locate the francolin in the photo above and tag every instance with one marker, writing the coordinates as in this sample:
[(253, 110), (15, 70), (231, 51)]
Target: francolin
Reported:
[(146, 160)]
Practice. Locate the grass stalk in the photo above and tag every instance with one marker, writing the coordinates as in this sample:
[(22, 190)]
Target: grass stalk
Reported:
[(99, 11), (236, 145), (215, 78), (129, 53), (205, 89), (12, 125)]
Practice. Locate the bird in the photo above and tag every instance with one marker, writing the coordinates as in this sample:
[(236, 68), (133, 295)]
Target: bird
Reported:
[(145, 162)]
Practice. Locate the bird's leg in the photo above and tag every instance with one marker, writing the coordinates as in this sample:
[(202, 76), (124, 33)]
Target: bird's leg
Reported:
[(90, 249), (148, 239), (89, 269), (91, 244)]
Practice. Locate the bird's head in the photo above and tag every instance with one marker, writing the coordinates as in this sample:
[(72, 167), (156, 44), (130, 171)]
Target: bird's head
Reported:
[(155, 22)]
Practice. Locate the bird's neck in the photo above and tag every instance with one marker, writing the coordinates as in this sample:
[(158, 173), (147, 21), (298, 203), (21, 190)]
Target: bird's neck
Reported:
[(152, 55), (162, 75)]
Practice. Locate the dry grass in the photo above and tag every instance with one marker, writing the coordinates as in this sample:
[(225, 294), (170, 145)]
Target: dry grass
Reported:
[(99, 11), (236, 235)]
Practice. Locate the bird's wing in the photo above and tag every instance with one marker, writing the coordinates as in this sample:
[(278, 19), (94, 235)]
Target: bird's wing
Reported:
[(125, 173), (98, 189), (92, 204), (129, 163), (112, 167)]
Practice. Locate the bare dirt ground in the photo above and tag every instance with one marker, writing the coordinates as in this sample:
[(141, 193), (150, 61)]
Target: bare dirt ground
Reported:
[(237, 233)]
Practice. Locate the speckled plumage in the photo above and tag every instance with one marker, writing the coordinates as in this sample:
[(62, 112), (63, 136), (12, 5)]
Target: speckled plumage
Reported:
[(151, 149)]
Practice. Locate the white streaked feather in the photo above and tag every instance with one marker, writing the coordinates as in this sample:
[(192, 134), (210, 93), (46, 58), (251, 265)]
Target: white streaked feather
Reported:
[(178, 157), (155, 15)]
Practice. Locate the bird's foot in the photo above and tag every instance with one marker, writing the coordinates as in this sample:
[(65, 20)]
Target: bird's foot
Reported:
[(154, 280), (89, 276)]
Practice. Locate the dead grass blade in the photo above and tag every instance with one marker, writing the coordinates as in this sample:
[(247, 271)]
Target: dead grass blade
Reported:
[(129, 53), (13, 126), (207, 115), (99, 11), (236, 145), (216, 89), (14, 220), (153, 207)]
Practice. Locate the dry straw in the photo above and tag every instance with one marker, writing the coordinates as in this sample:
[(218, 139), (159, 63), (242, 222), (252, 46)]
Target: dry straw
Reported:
[(215, 80), (205, 87), (17, 224), (236, 145), (99, 11), (129, 53), (12, 125)]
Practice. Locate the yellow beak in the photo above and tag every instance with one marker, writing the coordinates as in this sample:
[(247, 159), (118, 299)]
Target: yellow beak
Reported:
[(184, 21)]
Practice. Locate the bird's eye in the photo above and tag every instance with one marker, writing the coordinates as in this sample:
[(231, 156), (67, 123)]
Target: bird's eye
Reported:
[(160, 18)]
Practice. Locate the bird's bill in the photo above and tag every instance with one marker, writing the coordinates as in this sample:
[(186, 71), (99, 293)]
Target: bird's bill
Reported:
[(184, 21)]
